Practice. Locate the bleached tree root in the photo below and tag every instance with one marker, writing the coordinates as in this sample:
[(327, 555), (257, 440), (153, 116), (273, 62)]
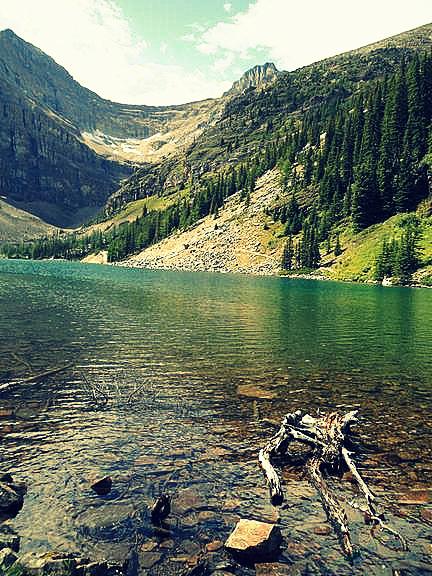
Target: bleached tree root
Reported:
[(327, 436)]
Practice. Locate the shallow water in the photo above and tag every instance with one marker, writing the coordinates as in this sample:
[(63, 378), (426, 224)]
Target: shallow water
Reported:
[(214, 356)]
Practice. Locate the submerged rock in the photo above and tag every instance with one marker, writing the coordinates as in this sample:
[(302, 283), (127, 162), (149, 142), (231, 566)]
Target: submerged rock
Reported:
[(101, 484), (11, 498), (54, 564), (253, 540), (256, 391), (416, 496), (273, 570)]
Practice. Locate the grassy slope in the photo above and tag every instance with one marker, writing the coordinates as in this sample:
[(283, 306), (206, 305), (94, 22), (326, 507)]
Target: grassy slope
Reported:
[(360, 250), (134, 210)]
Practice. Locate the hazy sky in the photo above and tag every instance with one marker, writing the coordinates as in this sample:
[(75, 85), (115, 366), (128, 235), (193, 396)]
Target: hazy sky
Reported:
[(173, 51)]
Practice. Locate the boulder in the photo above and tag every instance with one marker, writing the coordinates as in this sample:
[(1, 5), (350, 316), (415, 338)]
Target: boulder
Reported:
[(252, 540), (7, 559), (101, 485), (11, 500)]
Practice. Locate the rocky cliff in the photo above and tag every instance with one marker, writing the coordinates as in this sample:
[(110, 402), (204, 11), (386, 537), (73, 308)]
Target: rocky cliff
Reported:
[(257, 77)]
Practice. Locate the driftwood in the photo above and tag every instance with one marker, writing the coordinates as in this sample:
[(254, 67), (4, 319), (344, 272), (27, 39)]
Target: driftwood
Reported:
[(35, 377), (328, 437)]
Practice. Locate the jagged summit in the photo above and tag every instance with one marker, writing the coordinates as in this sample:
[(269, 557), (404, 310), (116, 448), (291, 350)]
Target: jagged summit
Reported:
[(257, 77)]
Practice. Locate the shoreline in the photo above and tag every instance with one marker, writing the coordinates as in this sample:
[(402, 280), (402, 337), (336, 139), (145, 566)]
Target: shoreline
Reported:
[(306, 276), (294, 276)]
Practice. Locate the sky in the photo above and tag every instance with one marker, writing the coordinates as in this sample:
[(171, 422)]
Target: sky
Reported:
[(162, 52)]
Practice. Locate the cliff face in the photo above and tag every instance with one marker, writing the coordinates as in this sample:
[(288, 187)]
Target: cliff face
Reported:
[(30, 71)]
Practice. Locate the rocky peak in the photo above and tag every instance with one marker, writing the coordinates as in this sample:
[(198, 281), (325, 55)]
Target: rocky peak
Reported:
[(257, 77), (7, 33)]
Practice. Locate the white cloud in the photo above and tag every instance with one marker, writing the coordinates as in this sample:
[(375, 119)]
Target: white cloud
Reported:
[(296, 33), (227, 6), (224, 63), (93, 40)]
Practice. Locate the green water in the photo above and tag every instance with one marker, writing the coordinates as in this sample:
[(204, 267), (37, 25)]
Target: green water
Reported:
[(214, 356)]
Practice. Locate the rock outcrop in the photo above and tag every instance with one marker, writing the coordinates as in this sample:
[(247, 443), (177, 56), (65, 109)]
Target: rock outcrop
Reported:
[(257, 77)]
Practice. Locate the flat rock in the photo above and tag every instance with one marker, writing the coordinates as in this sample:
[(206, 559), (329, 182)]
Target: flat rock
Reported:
[(149, 559), (253, 540)]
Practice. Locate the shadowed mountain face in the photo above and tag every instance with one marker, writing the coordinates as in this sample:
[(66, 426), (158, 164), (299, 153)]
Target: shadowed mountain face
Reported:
[(59, 142)]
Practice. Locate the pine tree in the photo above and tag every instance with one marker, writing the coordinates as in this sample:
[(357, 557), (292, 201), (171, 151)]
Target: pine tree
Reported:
[(288, 254), (337, 249)]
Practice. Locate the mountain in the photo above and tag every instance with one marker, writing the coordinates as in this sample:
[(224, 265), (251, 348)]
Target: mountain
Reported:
[(63, 149), (257, 77), (316, 158), (248, 117)]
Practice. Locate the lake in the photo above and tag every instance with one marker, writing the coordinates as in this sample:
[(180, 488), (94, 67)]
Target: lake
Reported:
[(194, 366)]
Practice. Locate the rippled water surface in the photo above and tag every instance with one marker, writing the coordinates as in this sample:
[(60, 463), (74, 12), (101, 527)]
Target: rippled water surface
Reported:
[(194, 366)]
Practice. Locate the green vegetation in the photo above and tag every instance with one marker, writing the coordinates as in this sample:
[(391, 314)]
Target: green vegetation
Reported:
[(400, 258), (363, 160)]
